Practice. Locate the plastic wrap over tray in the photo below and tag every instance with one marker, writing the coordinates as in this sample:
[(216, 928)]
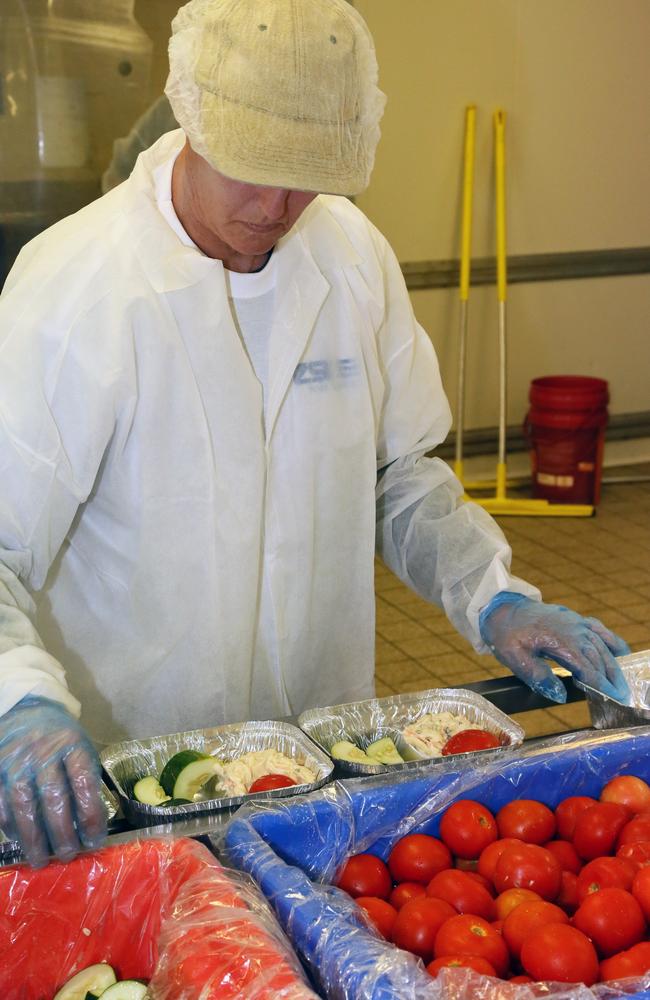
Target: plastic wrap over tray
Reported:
[(127, 762), (607, 713), (362, 722), (290, 848), (10, 852)]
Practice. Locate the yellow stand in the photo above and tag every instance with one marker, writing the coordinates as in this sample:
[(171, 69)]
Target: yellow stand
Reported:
[(500, 503)]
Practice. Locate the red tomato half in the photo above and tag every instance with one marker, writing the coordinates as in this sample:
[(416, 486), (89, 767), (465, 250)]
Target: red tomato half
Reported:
[(467, 828), (633, 962), (528, 917), (405, 891), (461, 962), (469, 935), (613, 920), (560, 953), (604, 873), (417, 858), (418, 923), (526, 820), (597, 828), (462, 892), (528, 866), (382, 914), (567, 812), (270, 781), (365, 875), (628, 791), (470, 740)]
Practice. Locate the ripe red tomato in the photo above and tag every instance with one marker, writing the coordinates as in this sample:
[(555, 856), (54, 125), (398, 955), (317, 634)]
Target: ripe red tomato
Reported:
[(641, 890), (469, 935), (560, 953), (604, 873), (467, 828), (567, 897), (520, 979), (462, 892), (461, 962), (418, 923), (634, 832), (628, 791), (508, 900), (470, 740), (405, 891), (528, 917), (417, 858), (489, 856), (612, 918), (567, 812), (487, 885), (269, 781), (365, 875), (633, 962), (528, 867), (597, 828), (566, 854), (382, 914), (637, 853), (526, 820)]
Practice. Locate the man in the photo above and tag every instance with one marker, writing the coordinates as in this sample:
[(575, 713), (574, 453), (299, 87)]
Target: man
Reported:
[(214, 399)]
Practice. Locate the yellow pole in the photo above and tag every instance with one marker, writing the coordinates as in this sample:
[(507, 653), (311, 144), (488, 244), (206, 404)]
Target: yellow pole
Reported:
[(499, 170), (465, 260)]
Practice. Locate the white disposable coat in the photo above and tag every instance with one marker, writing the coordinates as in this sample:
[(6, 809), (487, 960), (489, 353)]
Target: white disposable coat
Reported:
[(186, 565)]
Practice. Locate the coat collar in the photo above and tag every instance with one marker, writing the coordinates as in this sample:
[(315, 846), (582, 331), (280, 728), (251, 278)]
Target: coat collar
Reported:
[(170, 265)]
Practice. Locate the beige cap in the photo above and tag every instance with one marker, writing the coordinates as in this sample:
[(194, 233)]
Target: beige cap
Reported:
[(278, 92)]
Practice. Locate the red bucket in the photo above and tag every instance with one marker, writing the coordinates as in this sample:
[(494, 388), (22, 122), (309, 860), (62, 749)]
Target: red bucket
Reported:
[(565, 429)]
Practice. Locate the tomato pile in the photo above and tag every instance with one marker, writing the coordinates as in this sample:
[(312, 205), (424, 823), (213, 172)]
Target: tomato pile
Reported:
[(526, 895)]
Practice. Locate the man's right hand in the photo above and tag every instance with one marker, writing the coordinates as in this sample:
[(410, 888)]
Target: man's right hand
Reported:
[(49, 782)]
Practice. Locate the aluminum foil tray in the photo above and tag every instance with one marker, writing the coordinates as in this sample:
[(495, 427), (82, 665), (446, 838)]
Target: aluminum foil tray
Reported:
[(362, 722), (10, 852), (607, 713), (127, 762)]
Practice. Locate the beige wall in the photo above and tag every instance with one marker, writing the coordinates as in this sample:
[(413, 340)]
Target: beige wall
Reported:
[(573, 77)]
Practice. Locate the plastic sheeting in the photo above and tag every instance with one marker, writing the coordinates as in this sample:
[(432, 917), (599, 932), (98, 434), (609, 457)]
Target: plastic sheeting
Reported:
[(281, 845), (160, 910)]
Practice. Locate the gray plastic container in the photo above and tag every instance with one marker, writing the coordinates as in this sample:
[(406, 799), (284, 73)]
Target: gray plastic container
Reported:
[(127, 762), (362, 722), (607, 713)]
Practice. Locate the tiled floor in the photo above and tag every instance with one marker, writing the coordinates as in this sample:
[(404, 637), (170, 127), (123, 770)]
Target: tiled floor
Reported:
[(598, 566)]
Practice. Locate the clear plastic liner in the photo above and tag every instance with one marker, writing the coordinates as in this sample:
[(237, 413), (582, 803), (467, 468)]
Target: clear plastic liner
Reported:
[(363, 722), (292, 848), (607, 713), (160, 910), (127, 762), (11, 853)]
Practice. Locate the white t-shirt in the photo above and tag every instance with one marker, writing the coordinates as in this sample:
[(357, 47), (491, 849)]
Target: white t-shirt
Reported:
[(251, 296)]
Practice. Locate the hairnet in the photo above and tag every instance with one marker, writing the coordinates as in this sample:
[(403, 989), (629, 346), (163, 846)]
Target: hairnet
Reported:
[(278, 92)]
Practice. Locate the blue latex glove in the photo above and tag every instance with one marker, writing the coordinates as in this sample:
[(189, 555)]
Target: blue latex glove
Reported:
[(523, 634), (49, 782)]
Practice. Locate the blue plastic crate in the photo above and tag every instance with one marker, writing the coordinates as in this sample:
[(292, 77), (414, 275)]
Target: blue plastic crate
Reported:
[(285, 847)]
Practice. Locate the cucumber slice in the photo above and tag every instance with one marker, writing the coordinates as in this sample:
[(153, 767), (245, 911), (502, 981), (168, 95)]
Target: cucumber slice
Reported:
[(150, 792), (128, 989), (186, 772), (95, 979), (385, 751), (344, 750)]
